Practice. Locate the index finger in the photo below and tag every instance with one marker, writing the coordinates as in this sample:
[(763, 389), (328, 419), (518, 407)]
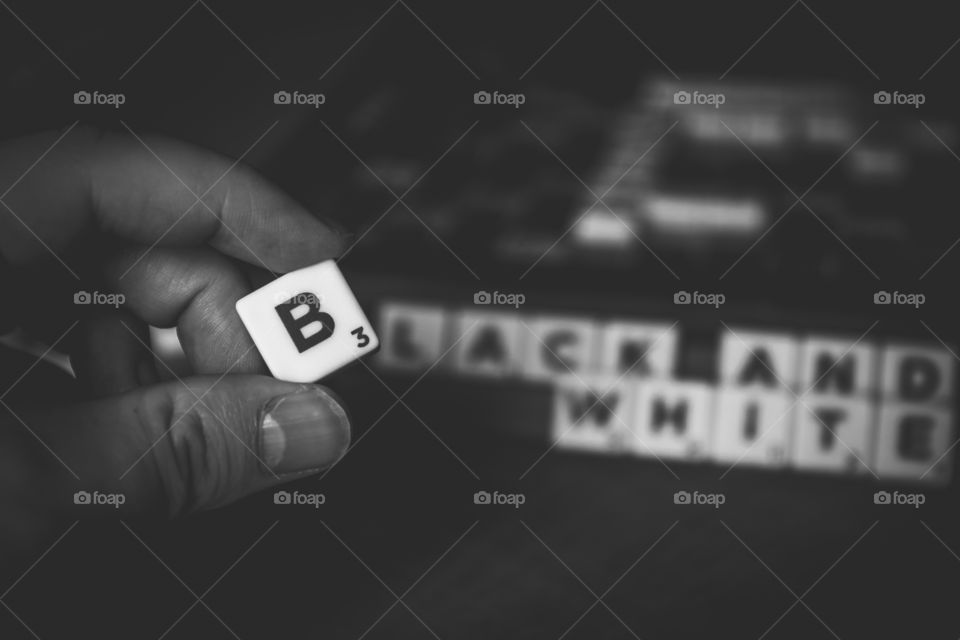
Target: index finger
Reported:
[(153, 191)]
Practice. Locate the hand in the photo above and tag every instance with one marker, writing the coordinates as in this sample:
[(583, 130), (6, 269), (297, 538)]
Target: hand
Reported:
[(109, 212)]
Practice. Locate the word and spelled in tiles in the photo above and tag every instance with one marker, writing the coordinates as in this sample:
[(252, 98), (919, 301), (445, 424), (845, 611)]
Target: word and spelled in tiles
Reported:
[(842, 367), (307, 323), (758, 359), (819, 403)]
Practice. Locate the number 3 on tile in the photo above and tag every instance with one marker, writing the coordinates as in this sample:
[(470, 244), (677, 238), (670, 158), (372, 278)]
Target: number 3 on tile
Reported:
[(362, 338)]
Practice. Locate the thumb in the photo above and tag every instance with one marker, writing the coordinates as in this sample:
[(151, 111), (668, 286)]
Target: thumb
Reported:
[(180, 447)]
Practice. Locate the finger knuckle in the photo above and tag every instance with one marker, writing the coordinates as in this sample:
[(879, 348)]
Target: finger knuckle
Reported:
[(188, 458)]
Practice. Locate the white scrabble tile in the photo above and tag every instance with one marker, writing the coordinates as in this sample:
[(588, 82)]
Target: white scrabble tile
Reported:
[(307, 323), (592, 413), (912, 437), (490, 343), (672, 419), (837, 366), (557, 345), (759, 359), (752, 427), (915, 373), (833, 434), (642, 349), (413, 336)]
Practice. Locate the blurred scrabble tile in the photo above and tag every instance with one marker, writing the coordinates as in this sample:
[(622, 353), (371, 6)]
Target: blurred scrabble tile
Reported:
[(307, 323), (914, 442), (413, 335), (757, 358), (837, 366), (833, 433), (592, 413), (490, 343), (916, 373), (638, 348), (672, 419), (752, 427), (556, 346)]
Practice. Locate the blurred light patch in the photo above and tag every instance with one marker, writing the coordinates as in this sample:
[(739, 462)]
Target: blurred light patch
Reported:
[(688, 216), (601, 228), (878, 163), (165, 344)]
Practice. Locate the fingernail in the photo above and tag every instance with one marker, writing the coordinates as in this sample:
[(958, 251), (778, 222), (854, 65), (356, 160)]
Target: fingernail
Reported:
[(303, 431)]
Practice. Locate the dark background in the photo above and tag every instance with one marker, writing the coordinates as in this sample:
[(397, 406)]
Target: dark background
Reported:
[(398, 502)]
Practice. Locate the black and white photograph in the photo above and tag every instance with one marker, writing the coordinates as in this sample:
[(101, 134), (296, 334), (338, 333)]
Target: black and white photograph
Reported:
[(406, 319)]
